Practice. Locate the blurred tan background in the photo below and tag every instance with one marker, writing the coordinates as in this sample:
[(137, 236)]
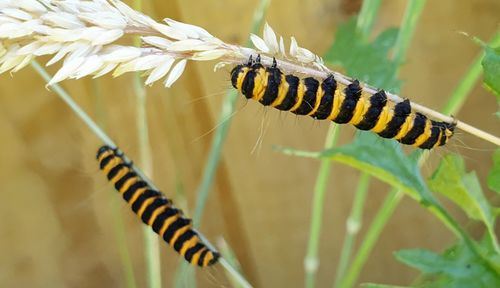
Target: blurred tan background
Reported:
[(56, 223)]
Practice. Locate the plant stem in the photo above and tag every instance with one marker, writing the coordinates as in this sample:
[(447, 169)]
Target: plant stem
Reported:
[(230, 257), (238, 278), (353, 227), (367, 17), (468, 81), (311, 261), (214, 155), (151, 240), (371, 236), (72, 104), (118, 225), (407, 29), (228, 107), (121, 242)]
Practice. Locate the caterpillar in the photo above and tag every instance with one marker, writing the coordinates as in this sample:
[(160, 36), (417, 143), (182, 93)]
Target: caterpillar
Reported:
[(154, 208), (339, 103)]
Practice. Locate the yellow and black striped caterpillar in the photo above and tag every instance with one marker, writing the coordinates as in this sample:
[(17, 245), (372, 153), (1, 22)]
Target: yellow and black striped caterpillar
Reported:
[(340, 103), (155, 209)]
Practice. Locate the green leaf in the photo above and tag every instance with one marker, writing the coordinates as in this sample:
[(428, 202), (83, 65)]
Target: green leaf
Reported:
[(451, 180), (385, 161), (367, 61), (494, 175), (458, 267), (381, 159), (491, 67)]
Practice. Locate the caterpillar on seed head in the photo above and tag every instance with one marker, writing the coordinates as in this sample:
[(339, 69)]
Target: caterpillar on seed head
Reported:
[(155, 209), (339, 103)]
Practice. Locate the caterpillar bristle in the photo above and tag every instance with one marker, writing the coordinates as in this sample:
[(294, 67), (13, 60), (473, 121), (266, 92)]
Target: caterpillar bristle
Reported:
[(328, 99), (154, 209)]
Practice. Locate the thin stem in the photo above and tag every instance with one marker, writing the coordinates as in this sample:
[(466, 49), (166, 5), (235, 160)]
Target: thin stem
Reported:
[(367, 17), (121, 242), (230, 257), (468, 81), (371, 236), (219, 139), (151, 240), (235, 274), (412, 14), (72, 104), (118, 224), (311, 261), (228, 107), (353, 227)]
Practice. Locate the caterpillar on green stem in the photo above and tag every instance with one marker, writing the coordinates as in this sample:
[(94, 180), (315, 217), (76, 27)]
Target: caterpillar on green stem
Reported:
[(334, 101)]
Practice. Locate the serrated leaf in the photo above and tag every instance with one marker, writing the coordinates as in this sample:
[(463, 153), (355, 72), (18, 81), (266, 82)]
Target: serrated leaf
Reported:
[(491, 67), (451, 180), (494, 174), (458, 267)]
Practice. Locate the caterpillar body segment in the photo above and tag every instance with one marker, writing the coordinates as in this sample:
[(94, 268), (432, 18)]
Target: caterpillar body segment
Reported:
[(154, 209), (334, 101)]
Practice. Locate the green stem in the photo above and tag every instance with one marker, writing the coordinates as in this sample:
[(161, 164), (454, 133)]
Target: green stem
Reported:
[(468, 81), (231, 259), (225, 118), (371, 236), (311, 261), (73, 106), (353, 226), (151, 240), (407, 29), (214, 155), (237, 277), (121, 241), (118, 225), (367, 17)]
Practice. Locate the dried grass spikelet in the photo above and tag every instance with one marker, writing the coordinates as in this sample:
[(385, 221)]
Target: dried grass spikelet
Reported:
[(83, 35)]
